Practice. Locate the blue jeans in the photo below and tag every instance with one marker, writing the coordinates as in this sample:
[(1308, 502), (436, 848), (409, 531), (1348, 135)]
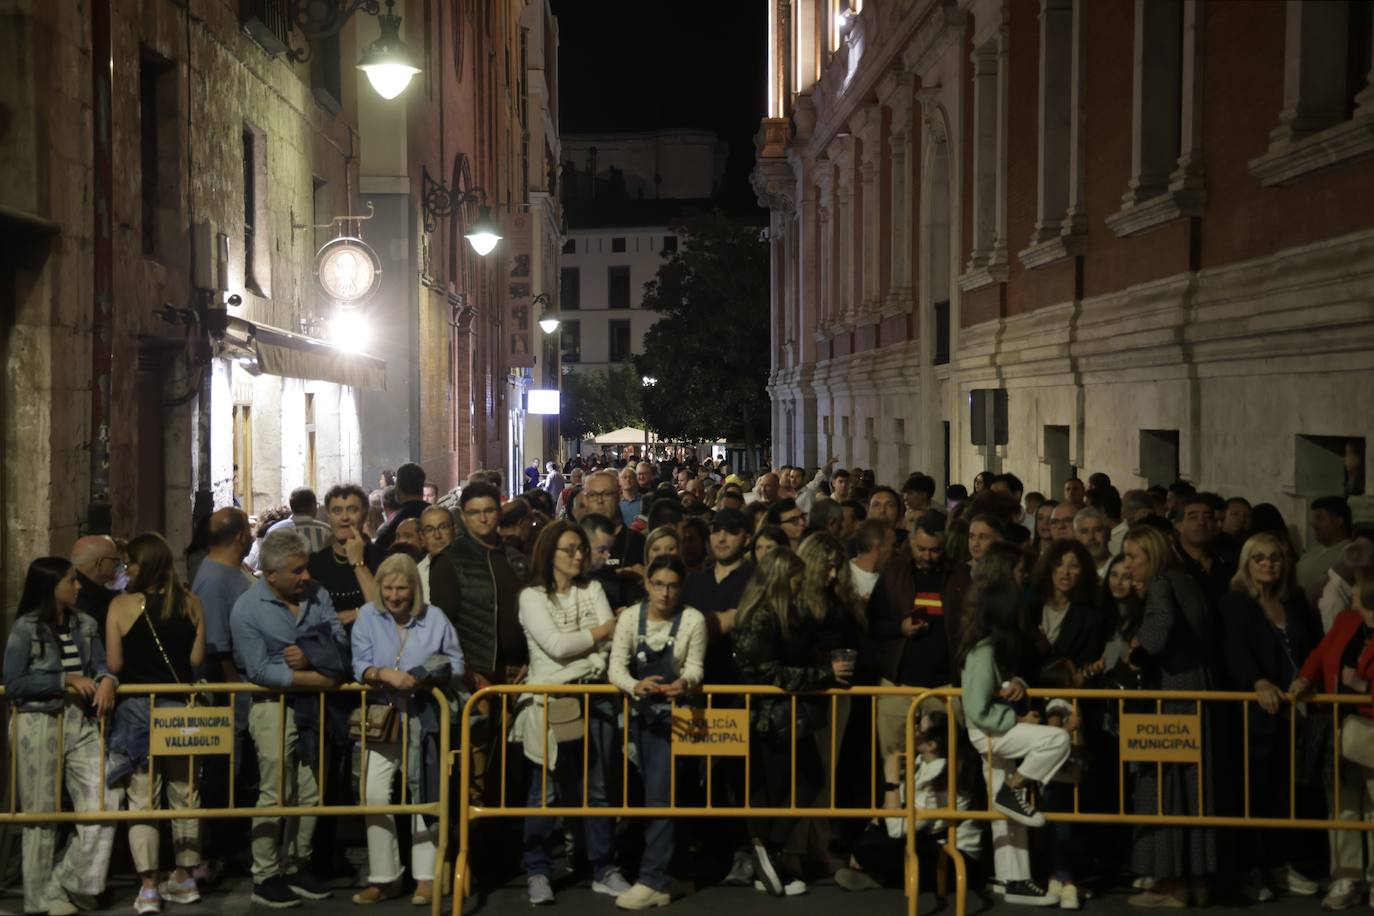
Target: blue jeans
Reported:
[(655, 742), (565, 783)]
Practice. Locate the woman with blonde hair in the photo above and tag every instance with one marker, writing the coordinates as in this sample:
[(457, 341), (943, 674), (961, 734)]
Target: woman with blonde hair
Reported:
[(1177, 636), (773, 646), (1269, 632), (662, 542), (403, 647), (154, 634)]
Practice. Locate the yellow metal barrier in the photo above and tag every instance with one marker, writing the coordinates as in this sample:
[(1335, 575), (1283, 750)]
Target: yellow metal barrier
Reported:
[(499, 697), (1122, 814), (101, 815)]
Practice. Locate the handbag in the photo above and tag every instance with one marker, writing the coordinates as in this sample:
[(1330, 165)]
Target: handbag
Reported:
[(1357, 740), (379, 723), (565, 718)]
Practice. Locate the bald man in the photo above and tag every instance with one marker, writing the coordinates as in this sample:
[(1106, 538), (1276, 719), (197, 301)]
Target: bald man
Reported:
[(97, 563), (219, 582)]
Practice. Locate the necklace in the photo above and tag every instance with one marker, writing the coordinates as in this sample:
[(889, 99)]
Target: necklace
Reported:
[(342, 561)]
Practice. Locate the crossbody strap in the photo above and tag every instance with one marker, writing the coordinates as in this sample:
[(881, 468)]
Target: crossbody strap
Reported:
[(143, 609)]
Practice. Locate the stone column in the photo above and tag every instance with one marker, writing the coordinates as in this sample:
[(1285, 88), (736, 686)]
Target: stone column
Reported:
[(984, 154), (847, 260), (826, 296), (901, 154), (868, 127)]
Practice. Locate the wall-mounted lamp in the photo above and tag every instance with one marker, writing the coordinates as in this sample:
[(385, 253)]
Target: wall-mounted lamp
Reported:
[(388, 62), (439, 201), (548, 319)]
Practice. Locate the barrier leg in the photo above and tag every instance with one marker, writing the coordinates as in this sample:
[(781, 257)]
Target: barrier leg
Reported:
[(960, 876), (913, 881)]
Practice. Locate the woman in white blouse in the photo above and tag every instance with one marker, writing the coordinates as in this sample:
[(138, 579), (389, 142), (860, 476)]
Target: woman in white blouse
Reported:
[(568, 624), (656, 657)]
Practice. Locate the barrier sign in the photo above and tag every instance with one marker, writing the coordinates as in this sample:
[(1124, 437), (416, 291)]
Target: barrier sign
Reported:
[(717, 732), (1161, 738), (183, 731)]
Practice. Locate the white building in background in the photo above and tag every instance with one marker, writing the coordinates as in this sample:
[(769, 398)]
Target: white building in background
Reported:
[(621, 194)]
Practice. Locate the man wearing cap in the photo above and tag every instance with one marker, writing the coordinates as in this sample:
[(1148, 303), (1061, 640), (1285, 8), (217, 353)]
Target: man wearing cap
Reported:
[(716, 592)]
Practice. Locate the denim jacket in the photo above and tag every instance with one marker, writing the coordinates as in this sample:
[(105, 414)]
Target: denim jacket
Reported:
[(34, 679)]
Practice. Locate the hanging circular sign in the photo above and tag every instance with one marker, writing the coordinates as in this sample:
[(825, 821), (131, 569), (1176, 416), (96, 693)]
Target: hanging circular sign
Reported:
[(348, 270)]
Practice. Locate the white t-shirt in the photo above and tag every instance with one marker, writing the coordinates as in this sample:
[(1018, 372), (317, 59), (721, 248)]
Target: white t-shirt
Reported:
[(864, 581), (1052, 620)]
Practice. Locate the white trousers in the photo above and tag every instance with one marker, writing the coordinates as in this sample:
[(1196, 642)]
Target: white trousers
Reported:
[(1036, 752), (1352, 800), (380, 769)]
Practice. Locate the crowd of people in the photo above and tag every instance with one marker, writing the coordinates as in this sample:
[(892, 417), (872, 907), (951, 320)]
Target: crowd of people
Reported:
[(661, 576)]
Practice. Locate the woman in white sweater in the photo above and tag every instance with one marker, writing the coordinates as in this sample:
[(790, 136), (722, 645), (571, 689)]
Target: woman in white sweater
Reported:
[(656, 658), (568, 625)]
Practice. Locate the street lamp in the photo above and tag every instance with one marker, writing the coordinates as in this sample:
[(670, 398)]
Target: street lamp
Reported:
[(648, 381), (438, 200), (388, 63), (484, 233), (548, 319)]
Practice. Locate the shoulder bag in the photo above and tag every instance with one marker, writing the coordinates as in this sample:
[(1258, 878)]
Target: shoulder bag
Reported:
[(379, 722), (192, 699)]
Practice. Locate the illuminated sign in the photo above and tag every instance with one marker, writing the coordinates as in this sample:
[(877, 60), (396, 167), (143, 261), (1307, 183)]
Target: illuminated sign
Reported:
[(542, 401), (348, 270)]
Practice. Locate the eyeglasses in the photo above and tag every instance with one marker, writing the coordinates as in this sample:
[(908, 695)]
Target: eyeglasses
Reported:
[(572, 551), (435, 529), (792, 520), (1267, 559), (599, 494)]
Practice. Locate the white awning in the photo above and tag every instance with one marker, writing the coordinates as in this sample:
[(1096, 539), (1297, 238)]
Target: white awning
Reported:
[(276, 352), (626, 435)]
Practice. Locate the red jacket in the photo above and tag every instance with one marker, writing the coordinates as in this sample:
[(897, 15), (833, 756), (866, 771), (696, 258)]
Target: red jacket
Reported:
[(1323, 666)]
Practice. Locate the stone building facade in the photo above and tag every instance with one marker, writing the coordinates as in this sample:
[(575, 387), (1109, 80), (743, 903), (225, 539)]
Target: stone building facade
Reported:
[(1137, 218), (174, 205)]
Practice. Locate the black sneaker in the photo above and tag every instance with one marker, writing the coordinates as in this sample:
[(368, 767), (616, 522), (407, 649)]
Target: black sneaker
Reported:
[(1017, 805), (308, 886), (766, 872), (1028, 893), (275, 893)]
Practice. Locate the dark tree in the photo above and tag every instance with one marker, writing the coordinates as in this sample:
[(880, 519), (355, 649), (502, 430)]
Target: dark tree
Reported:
[(709, 351)]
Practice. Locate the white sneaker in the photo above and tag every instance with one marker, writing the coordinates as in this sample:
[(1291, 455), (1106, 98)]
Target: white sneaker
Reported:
[(794, 888), (1068, 896), (1288, 880), (539, 889), (148, 901), (642, 897), (1254, 889), (1341, 895), (612, 884)]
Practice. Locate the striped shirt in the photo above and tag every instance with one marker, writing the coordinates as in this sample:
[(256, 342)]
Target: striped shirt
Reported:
[(71, 658)]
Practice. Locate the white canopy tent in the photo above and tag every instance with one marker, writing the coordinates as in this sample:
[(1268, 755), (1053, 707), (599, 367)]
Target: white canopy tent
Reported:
[(626, 435)]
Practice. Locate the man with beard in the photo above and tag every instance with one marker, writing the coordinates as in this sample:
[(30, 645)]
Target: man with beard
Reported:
[(476, 581), (907, 615), (266, 624)]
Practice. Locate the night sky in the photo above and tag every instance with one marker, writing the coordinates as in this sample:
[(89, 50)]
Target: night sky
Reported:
[(649, 64)]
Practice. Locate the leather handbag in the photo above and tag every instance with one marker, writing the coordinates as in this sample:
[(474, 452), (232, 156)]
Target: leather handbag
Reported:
[(381, 723)]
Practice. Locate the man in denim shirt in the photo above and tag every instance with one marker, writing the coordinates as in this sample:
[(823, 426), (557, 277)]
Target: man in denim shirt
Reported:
[(267, 622)]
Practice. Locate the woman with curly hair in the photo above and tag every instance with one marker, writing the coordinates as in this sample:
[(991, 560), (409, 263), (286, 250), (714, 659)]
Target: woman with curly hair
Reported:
[(1066, 623)]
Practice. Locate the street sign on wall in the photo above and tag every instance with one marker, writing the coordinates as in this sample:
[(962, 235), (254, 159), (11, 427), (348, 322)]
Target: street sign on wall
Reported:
[(519, 330)]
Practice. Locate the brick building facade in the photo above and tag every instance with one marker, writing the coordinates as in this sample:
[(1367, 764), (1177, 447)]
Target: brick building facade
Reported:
[(225, 169), (1137, 218)]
